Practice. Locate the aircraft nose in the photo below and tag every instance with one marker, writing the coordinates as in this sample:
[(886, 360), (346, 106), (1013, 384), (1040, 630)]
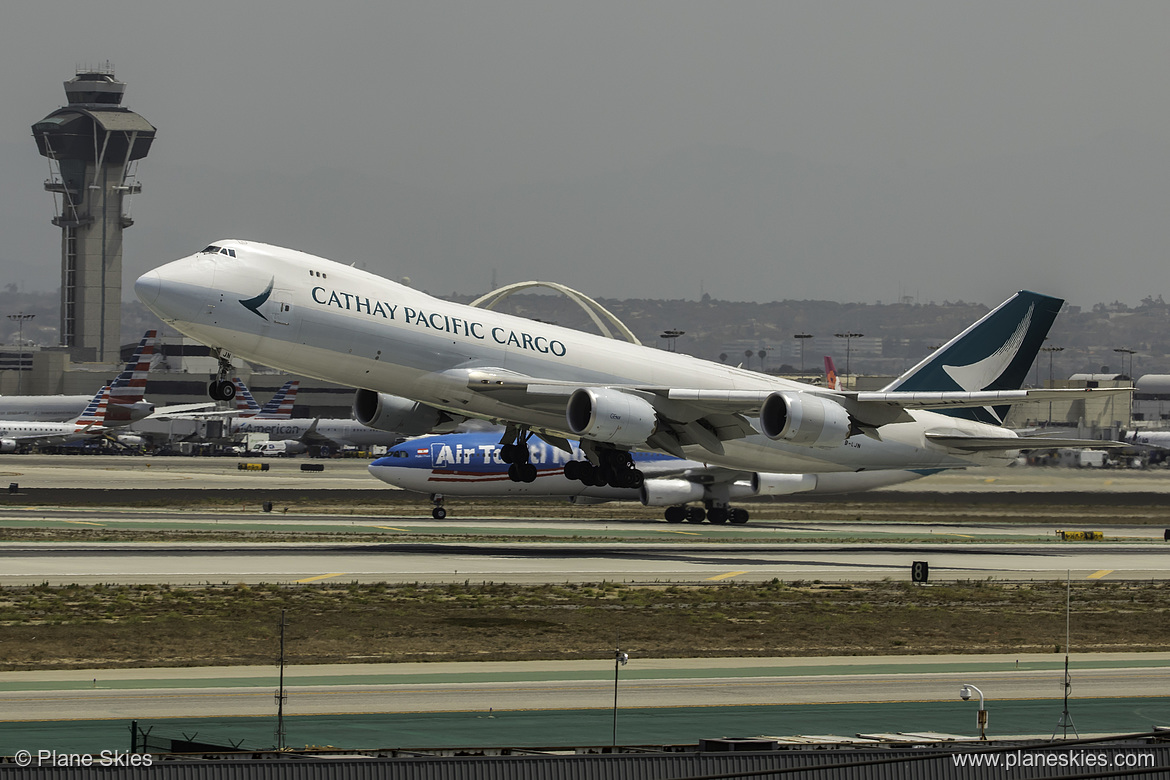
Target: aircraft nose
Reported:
[(147, 287)]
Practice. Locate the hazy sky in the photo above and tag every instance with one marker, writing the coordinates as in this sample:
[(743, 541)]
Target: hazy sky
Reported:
[(755, 151)]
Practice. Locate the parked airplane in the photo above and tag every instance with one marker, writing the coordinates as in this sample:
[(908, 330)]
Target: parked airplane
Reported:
[(126, 395), (318, 318), (469, 464), (279, 407), (91, 422)]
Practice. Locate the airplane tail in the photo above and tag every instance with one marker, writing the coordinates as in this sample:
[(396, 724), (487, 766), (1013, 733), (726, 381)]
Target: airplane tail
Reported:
[(280, 406), (832, 380), (129, 387), (993, 354), (95, 410), (246, 405)]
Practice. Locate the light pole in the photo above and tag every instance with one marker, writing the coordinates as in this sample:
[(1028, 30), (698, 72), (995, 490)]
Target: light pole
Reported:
[(848, 339), (670, 336), (801, 338), (965, 694), (19, 320), (280, 694), (619, 660), (1051, 353), (1125, 352)]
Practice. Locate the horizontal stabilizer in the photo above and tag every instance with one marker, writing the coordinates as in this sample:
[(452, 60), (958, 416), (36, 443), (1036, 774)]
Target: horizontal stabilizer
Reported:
[(994, 443)]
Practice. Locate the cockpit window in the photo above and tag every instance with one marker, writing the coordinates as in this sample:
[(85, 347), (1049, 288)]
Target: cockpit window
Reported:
[(213, 250)]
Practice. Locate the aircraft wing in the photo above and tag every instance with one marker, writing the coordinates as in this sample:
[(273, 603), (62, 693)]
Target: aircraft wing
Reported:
[(64, 437), (706, 417), (310, 436), (198, 411), (994, 443)]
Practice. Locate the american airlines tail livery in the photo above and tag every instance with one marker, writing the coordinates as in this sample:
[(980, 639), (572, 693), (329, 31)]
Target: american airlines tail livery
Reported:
[(421, 364)]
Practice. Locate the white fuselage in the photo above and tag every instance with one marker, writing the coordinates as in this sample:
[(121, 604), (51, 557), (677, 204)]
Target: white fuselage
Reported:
[(337, 323), (61, 408)]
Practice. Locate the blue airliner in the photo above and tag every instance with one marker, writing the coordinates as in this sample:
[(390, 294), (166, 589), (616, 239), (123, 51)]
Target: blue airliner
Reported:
[(470, 464)]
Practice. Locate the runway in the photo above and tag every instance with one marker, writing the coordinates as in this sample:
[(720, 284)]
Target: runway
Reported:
[(530, 563), (977, 524)]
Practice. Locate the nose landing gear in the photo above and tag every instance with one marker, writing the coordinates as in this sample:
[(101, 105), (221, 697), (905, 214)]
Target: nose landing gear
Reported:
[(221, 388)]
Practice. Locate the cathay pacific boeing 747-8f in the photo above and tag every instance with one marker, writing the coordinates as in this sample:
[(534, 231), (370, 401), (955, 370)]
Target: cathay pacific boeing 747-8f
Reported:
[(421, 364)]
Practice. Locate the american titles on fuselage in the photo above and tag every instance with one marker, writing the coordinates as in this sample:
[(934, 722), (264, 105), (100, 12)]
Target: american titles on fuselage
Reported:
[(437, 321)]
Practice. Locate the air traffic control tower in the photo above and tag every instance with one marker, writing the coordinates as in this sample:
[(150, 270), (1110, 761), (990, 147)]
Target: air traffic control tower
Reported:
[(93, 145)]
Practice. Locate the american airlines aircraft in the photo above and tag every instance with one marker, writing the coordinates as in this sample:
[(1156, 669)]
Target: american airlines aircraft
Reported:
[(15, 434), (469, 464), (422, 364), (126, 395)]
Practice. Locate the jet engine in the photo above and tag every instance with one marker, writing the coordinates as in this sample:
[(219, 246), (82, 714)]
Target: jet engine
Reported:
[(765, 484), (805, 419), (7, 445), (670, 492), (396, 414), (608, 415)]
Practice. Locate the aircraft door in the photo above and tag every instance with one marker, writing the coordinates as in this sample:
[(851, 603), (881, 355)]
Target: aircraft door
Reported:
[(282, 311)]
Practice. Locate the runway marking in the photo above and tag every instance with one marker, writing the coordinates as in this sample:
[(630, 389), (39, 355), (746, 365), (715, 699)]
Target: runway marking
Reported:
[(1099, 574), (320, 577), (725, 576), (684, 533), (390, 528), (84, 522)]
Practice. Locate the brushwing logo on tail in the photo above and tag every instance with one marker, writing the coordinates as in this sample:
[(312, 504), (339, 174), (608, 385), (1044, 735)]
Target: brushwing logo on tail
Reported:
[(980, 375), (253, 304)]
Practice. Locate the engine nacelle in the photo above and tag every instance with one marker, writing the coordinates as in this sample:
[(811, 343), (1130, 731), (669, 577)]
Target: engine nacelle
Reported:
[(765, 484), (670, 492), (396, 414), (608, 415), (805, 419), (7, 445)]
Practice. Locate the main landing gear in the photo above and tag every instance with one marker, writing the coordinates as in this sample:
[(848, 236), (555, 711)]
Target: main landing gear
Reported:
[(717, 515), (614, 468), (221, 388), (517, 455)]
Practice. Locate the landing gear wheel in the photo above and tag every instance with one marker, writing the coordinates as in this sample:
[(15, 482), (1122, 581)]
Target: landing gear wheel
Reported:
[(221, 390), (739, 516), (717, 515), (676, 514), (438, 513), (695, 514)]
